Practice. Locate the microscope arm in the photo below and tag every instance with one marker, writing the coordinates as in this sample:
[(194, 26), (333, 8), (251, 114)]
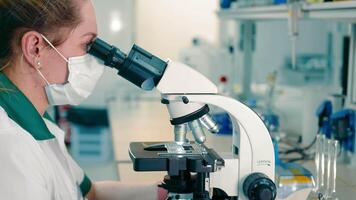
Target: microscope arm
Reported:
[(255, 148)]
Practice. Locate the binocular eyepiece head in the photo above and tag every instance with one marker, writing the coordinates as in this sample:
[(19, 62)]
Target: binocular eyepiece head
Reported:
[(139, 67)]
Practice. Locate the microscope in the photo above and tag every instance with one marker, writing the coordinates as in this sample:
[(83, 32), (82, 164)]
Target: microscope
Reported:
[(195, 171)]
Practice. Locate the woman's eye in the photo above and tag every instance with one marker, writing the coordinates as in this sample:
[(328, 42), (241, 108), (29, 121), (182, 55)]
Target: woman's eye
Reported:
[(86, 46)]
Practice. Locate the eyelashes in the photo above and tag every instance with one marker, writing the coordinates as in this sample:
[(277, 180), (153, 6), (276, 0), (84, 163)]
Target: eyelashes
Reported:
[(86, 45)]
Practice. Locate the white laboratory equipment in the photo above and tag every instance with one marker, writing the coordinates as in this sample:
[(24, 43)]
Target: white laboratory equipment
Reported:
[(247, 172)]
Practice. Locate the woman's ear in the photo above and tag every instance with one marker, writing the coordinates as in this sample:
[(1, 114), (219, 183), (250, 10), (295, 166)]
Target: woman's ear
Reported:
[(31, 44)]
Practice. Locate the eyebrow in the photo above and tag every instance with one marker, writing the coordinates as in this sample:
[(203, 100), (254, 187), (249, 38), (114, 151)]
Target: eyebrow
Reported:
[(94, 35)]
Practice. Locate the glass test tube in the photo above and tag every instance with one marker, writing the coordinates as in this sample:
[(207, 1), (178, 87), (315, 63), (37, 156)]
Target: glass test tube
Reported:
[(322, 156), (333, 146), (317, 162), (320, 163), (328, 152)]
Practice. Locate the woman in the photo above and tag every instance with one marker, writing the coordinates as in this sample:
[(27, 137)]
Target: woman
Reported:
[(43, 62)]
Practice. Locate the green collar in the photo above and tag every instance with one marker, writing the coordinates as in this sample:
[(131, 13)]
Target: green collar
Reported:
[(21, 110)]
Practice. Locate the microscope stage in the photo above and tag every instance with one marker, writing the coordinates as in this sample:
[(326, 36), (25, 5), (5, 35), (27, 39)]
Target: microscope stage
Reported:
[(173, 157)]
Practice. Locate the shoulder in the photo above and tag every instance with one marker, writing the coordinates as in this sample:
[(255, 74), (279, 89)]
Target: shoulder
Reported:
[(18, 149), (12, 136), (23, 163), (9, 128)]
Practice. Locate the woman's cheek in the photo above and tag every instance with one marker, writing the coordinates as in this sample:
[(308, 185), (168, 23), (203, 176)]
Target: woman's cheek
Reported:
[(59, 72)]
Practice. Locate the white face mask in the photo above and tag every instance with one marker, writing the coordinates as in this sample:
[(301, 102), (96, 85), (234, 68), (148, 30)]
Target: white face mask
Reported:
[(84, 72)]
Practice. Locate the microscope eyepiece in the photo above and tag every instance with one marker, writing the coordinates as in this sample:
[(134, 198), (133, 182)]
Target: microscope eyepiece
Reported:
[(139, 67), (110, 55)]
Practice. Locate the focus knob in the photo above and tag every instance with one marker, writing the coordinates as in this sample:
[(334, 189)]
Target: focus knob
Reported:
[(258, 186)]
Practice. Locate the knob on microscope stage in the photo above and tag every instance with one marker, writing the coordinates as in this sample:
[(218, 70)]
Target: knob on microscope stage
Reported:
[(258, 186)]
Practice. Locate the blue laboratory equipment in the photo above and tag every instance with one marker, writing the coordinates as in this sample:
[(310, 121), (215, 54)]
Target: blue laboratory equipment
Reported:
[(224, 121), (343, 125), (324, 113), (225, 4), (279, 1)]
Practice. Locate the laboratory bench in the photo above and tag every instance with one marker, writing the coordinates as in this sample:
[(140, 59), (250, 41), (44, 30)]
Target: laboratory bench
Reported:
[(146, 119)]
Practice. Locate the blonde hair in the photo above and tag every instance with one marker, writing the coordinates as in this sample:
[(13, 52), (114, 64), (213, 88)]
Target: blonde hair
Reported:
[(20, 16), (45, 16)]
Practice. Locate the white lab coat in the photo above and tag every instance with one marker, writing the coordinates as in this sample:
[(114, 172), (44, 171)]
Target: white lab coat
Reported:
[(36, 169)]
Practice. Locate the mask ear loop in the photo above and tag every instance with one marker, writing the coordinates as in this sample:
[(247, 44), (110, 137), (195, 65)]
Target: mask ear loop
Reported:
[(38, 71), (50, 44)]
